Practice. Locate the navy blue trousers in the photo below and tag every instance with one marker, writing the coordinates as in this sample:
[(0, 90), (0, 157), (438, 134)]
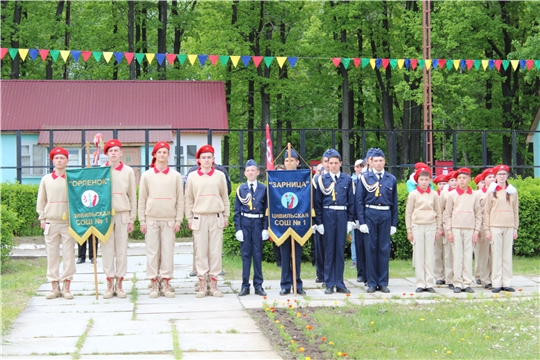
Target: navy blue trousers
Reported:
[(359, 244), (318, 240), (286, 265), (335, 235), (252, 248), (378, 245)]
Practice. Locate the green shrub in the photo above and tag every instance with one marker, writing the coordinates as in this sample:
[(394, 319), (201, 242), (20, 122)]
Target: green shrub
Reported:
[(8, 223), (21, 199)]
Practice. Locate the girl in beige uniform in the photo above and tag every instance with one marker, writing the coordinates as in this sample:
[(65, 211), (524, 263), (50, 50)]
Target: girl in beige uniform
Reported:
[(482, 248), (501, 222)]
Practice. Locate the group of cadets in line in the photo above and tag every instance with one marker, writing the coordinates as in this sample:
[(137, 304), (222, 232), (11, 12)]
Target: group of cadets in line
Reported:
[(443, 225)]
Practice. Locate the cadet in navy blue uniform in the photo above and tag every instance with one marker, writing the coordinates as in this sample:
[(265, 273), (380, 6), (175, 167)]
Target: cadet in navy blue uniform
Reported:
[(377, 214), (251, 225), (285, 248), (334, 210), (318, 239)]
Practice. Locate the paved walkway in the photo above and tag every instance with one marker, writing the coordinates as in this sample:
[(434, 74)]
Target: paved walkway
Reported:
[(208, 328)]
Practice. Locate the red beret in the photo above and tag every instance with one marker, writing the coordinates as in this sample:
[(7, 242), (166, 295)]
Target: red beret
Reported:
[(419, 165), (111, 143), (204, 149), (160, 145), (488, 171), (463, 170), (498, 168), (440, 178), (58, 151), (451, 175), (421, 170), (478, 178)]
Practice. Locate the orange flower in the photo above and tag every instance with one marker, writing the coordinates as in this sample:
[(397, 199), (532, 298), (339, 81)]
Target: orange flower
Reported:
[(411, 294), (304, 315), (290, 306), (323, 338), (264, 297), (348, 295), (309, 327), (404, 294), (301, 349), (520, 289), (344, 354)]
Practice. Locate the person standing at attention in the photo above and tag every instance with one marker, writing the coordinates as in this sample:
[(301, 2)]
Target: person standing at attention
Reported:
[(251, 225), (124, 203), (52, 207), (161, 211)]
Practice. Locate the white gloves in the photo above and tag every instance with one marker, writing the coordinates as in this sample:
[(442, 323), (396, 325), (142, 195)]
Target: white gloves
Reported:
[(356, 225), (350, 226), (363, 228), (240, 236), (265, 235), (320, 229), (510, 189), (392, 230), (314, 228)]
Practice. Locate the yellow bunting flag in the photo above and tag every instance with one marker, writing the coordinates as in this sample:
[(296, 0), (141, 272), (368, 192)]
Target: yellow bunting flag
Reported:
[(65, 54), (372, 63), (23, 53), (235, 59), (456, 64), (485, 64), (428, 64), (149, 56), (107, 55), (281, 60), (192, 58), (514, 63), (400, 63)]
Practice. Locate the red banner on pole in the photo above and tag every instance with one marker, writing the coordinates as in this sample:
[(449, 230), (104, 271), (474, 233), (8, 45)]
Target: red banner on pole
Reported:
[(269, 151)]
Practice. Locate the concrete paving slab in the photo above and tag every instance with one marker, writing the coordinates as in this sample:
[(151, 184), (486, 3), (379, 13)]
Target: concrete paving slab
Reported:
[(223, 342), (127, 344), (129, 327), (205, 305), (232, 355), (193, 316), (38, 357), (30, 326), (128, 357), (218, 324), (41, 346), (106, 307)]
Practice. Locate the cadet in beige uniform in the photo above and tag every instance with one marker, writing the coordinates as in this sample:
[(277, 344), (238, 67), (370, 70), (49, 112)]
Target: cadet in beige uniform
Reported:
[(438, 261), (124, 203), (462, 221), (424, 224), (161, 211), (501, 222), (447, 247), (52, 207), (482, 250), (207, 213)]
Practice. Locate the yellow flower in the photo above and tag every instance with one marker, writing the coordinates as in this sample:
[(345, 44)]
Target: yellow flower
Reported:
[(298, 314), (462, 339), (277, 321), (282, 327), (331, 343), (301, 349), (421, 319), (335, 302), (373, 322), (448, 352), (453, 329), (384, 299), (308, 358), (339, 353), (487, 337), (496, 295)]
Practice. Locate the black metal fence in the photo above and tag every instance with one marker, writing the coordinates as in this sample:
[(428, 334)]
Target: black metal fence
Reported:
[(476, 149)]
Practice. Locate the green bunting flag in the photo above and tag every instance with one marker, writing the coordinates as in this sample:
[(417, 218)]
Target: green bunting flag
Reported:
[(90, 203)]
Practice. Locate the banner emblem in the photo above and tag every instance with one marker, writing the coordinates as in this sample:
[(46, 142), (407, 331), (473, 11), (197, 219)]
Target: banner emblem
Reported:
[(289, 200), (90, 198)]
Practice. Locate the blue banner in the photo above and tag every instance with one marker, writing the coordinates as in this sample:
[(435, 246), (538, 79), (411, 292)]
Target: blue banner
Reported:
[(289, 205)]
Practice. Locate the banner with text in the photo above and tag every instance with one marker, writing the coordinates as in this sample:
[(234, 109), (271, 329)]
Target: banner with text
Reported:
[(289, 204), (90, 203)]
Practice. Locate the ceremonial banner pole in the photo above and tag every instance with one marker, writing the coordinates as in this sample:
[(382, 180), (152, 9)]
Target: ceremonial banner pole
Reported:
[(293, 253), (93, 238)]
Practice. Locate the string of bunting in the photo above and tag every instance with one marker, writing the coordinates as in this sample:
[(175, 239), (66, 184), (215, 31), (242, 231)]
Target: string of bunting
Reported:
[(449, 64)]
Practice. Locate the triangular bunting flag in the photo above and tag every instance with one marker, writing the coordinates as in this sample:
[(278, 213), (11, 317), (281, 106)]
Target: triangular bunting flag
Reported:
[(192, 58), (469, 64), (182, 58), (336, 61), (293, 60), (421, 63), (118, 56), (393, 63), (378, 63), (356, 62), (281, 60), (522, 64), (346, 62), (96, 55), (213, 59), (485, 64), (150, 57), (257, 60), (428, 63), (160, 57), (43, 54), (76, 54), (235, 59), (505, 64), (407, 64), (372, 62), (202, 59), (414, 62), (463, 64), (385, 63), (107, 55), (171, 59), (86, 55), (537, 64), (64, 54), (435, 63), (514, 63), (139, 57), (364, 62), (54, 54), (245, 60), (529, 64), (442, 63), (400, 63), (129, 57), (268, 60), (3, 52), (477, 64), (496, 63), (23, 53), (456, 64), (34, 53), (223, 59), (449, 64), (13, 53)]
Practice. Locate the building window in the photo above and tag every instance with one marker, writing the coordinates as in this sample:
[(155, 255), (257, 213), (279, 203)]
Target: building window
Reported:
[(74, 158), (191, 152), (33, 155)]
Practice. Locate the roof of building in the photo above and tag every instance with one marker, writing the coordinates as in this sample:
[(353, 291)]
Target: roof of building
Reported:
[(132, 137), (75, 104)]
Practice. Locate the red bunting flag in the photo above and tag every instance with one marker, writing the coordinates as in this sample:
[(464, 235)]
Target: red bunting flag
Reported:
[(257, 60), (43, 54), (171, 58), (385, 63), (336, 61), (442, 62), (498, 64), (469, 63), (356, 62), (269, 151), (129, 57), (414, 63), (213, 59), (86, 55), (3, 52), (529, 64)]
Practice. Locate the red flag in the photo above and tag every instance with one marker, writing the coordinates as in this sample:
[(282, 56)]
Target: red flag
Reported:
[(269, 151)]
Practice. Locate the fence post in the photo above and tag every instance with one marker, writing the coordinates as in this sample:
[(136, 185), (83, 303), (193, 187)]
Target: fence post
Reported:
[(19, 156), (484, 149), (454, 148), (178, 152), (394, 153), (333, 139), (209, 136), (51, 146), (241, 154), (303, 144), (146, 146), (514, 152)]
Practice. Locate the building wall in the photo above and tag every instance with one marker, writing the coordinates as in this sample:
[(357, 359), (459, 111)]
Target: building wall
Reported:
[(9, 158)]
